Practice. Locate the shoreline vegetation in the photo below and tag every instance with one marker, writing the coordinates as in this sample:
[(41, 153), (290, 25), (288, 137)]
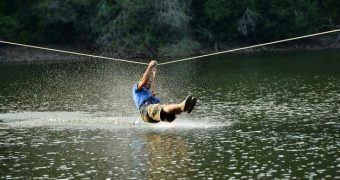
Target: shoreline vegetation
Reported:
[(10, 54), (163, 29)]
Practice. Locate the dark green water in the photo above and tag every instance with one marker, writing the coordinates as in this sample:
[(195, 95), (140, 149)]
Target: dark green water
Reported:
[(258, 117)]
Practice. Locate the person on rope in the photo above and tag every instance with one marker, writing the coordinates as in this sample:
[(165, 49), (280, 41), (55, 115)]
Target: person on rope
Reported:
[(149, 105)]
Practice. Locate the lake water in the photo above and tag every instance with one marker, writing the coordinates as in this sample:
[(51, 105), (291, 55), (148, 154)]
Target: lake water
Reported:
[(258, 116)]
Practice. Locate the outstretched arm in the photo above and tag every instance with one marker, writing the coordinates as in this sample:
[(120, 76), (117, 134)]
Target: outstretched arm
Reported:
[(146, 76)]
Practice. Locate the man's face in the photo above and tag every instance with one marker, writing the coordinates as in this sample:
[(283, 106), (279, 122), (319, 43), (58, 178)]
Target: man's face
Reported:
[(148, 85)]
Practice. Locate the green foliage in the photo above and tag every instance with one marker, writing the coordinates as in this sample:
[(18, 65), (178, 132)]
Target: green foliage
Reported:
[(10, 24), (180, 49), (247, 22), (66, 21), (9, 27), (171, 28), (141, 24), (286, 18), (218, 10), (123, 24), (240, 21), (329, 10)]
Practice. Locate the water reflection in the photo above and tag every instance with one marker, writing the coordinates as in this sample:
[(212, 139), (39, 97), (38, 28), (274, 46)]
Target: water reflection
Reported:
[(165, 156)]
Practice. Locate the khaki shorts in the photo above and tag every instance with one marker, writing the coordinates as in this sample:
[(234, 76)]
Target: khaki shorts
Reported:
[(151, 113)]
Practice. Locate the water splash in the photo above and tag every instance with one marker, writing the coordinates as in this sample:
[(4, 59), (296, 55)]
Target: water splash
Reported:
[(96, 120)]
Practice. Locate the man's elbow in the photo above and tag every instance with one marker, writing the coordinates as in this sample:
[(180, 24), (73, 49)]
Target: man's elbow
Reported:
[(141, 84)]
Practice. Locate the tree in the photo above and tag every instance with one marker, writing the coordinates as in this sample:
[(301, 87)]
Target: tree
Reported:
[(171, 28)]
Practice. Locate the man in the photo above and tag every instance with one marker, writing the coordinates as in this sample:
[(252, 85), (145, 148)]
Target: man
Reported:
[(149, 105)]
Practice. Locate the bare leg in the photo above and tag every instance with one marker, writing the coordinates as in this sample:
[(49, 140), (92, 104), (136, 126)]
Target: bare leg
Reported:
[(177, 108), (172, 108)]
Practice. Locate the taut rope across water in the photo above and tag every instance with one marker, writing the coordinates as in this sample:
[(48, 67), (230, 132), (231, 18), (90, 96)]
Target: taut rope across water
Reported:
[(74, 53), (174, 61), (249, 47)]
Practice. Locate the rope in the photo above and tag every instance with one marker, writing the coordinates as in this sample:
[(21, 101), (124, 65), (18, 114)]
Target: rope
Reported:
[(179, 60), (153, 85), (249, 47), (74, 53)]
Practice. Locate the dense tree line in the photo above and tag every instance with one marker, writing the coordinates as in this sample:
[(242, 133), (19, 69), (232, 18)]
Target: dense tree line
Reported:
[(176, 27)]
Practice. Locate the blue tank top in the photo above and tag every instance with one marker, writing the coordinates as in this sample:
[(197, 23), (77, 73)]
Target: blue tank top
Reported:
[(142, 96)]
